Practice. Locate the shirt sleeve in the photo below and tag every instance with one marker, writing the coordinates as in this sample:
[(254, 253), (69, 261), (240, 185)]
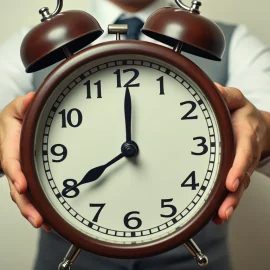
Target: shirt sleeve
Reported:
[(249, 67), (249, 71), (14, 81)]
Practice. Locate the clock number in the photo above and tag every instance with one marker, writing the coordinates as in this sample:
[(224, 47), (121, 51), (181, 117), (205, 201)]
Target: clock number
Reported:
[(62, 154), (202, 144), (188, 116), (88, 88), (129, 83), (101, 206), (70, 187), (192, 179), (128, 220), (164, 204), (67, 118), (117, 73), (161, 81)]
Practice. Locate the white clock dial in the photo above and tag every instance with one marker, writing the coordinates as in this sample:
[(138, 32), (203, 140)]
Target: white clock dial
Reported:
[(82, 126)]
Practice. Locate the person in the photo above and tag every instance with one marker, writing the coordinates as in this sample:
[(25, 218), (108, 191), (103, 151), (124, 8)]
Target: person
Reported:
[(244, 82)]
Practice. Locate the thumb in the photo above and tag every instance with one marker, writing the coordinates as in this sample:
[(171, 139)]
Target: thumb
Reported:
[(232, 96), (27, 100), (21, 104), (222, 91)]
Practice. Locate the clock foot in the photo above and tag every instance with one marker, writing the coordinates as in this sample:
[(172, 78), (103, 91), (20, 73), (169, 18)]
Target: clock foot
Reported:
[(69, 258), (194, 250)]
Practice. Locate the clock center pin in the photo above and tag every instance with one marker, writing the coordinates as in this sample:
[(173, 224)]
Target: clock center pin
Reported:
[(130, 149)]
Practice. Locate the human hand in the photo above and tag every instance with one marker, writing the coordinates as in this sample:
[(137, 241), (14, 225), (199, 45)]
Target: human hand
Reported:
[(10, 131), (251, 142)]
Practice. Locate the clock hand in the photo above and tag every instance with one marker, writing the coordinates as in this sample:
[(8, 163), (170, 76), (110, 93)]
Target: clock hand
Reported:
[(95, 173), (128, 115), (129, 150)]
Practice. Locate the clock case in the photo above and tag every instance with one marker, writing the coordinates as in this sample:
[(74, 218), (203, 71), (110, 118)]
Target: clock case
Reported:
[(191, 33)]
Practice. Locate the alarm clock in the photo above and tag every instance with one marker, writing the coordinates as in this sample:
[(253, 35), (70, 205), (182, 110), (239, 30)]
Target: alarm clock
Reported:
[(127, 144)]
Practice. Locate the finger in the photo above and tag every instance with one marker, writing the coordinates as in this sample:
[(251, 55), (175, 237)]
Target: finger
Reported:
[(20, 105), (233, 97), (26, 207), (217, 220), (231, 202), (12, 168), (222, 91), (242, 162), (245, 183), (10, 152), (256, 159)]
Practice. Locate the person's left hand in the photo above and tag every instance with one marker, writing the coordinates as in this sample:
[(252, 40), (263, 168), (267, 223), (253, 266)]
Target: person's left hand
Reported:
[(249, 126)]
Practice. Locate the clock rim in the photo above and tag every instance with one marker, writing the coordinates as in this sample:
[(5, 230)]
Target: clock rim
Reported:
[(40, 201)]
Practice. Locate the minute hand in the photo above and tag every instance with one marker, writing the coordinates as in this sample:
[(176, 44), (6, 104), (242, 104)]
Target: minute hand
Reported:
[(128, 115)]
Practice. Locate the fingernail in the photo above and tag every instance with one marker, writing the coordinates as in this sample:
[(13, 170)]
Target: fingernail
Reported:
[(236, 184), (32, 221), (16, 185), (229, 212)]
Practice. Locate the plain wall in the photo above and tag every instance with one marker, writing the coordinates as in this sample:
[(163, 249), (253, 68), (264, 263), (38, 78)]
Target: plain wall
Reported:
[(249, 227)]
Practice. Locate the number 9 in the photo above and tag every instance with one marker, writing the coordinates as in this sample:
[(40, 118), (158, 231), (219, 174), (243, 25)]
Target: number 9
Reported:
[(62, 154)]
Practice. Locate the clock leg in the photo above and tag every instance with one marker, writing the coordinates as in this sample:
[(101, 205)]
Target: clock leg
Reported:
[(194, 250), (69, 258)]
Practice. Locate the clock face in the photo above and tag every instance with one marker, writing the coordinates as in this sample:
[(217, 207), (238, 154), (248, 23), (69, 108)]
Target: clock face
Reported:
[(128, 200)]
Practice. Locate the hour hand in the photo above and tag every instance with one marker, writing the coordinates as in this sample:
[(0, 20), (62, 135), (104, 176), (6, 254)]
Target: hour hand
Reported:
[(95, 173), (128, 115), (91, 176)]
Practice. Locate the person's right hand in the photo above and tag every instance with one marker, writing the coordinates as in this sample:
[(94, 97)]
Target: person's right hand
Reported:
[(10, 132)]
